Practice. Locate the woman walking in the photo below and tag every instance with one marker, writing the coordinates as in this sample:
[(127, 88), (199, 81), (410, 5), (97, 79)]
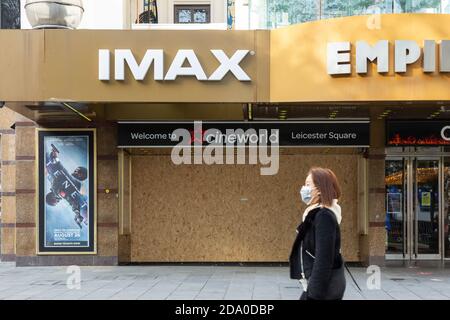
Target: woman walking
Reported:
[(315, 258)]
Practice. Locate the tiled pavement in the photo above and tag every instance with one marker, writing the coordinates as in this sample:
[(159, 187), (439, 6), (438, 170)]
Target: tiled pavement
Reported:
[(209, 282)]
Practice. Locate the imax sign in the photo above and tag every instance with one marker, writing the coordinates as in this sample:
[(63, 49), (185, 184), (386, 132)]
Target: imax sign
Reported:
[(185, 63), (406, 52)]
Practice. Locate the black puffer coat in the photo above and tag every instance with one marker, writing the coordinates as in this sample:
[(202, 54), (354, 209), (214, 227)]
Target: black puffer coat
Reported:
[(322, 261)]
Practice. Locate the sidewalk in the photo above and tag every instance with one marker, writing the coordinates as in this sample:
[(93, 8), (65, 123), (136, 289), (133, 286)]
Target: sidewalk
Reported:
[(208, 282)]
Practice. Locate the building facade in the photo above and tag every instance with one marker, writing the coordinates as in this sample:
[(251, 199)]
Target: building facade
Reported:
[(149, 14), (364, 95)]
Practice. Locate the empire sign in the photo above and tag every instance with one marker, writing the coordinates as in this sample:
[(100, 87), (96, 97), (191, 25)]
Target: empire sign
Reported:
[(406, 52)]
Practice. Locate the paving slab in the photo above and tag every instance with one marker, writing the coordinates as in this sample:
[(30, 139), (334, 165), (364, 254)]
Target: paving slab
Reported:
[(211, 282)]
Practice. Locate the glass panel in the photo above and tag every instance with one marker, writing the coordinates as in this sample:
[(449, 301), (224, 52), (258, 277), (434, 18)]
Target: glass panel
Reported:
[(286, 12), (445, 6), (149, 13), (427, 206), (258, 10), (447, 207), (334, 8), (200, 16), (278, 13), (394, 150), (10, 14), (184, 15), (428, 150), (395, 177), (422, 6)]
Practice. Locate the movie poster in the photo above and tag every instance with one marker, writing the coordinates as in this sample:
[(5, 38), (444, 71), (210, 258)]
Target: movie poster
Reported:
[(66, 191)]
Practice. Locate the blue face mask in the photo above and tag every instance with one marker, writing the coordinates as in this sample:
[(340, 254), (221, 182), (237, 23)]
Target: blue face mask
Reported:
[(305, 193)]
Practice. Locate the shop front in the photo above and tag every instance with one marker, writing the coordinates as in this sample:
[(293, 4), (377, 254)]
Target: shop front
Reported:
[(137, 146), (230, 208), (417, 190)]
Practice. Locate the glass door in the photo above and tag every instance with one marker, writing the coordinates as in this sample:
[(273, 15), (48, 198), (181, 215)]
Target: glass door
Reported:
[(396, 199), (425, 216), (446, 208), (413, 207)]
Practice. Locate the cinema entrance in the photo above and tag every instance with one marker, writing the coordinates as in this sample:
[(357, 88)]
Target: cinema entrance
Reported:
[(417, 180)]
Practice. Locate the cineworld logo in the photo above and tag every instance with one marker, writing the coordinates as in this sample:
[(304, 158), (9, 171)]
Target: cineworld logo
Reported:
[(406, 52), (220, 148), (185, 63), (443, 135)]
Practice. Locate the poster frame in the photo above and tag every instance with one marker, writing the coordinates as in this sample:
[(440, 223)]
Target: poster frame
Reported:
[(39, 134)]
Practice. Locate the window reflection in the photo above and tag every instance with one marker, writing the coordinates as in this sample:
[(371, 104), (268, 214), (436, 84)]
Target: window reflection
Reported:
[(184, 16), (200, 16), (278, 13), (192, 13), (395, 219), (447, 207)]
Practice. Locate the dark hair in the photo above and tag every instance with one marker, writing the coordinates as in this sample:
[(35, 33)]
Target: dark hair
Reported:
[(325, 180), (80, 173), (51, 199)]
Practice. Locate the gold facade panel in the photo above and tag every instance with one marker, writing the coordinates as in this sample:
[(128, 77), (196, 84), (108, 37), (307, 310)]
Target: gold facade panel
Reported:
[(285, 65)]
